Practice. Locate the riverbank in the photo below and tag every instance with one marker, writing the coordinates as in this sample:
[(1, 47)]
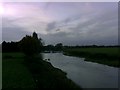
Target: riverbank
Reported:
[(107, 56), (14, 73), (40, 74)]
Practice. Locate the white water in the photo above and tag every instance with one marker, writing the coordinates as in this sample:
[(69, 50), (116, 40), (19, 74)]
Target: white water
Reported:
[(85, 74)]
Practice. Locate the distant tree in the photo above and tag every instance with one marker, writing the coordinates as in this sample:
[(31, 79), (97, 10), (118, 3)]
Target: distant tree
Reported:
[(31, 45), (10, 46), (35, 35), (40, 41), (59, 46), (50, 47)]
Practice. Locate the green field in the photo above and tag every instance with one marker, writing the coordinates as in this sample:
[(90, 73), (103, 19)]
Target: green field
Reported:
[(0, 70), (108, 51), (109, 56), (32, 72), (15, 74)]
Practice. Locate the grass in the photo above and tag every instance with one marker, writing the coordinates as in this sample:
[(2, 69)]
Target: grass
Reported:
[(15, 74), (0, 70), (108, 56), (47, 76), (31, 72), (109, 51), (15, 55)]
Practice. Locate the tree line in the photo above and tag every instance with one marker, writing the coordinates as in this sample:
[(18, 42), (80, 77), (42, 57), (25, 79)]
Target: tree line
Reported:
[(29, 45), (33, 44)]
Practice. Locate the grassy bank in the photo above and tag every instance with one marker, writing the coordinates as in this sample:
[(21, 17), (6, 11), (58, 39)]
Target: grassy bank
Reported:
[(107, 56), (19, 73), (14, 73)]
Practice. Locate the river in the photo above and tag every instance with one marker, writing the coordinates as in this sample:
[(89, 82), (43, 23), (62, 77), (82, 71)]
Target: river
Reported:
[(85, 74)]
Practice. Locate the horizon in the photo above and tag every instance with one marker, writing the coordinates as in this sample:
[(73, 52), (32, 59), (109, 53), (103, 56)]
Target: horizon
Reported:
[(78, 23)]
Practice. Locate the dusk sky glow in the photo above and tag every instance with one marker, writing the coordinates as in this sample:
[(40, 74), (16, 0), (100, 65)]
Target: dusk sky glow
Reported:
[(80, 23)]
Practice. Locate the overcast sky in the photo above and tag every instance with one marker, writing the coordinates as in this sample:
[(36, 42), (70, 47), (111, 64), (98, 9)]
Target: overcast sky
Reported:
[(80, 23)]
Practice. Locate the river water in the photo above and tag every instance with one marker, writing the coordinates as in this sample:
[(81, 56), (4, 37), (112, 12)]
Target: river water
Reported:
[(85, 74)]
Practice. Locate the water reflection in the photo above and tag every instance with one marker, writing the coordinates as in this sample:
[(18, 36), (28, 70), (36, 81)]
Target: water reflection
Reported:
[(86, 74)]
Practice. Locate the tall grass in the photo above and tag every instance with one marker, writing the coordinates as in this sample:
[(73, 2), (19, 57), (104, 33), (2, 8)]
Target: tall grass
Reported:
[(108, 56)]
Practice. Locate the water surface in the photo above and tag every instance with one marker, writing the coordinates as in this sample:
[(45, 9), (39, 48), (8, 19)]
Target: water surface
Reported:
[(85, 74)]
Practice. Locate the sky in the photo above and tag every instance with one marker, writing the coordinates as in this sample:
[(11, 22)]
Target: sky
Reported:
[(70, 23)]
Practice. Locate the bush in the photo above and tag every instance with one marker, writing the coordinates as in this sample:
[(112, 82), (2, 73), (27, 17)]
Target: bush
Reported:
[(30, 46)]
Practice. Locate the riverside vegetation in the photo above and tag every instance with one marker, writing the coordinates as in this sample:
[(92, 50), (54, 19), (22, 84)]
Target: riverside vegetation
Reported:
[(107, 55), (27, 69), (24, 67), (20, 71)]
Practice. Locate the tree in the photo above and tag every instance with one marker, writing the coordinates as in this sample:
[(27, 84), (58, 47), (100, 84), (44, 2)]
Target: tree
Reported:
[(10, 46), (30, 45), (50, 47), (39, 40), (59, 46), (35, 35)]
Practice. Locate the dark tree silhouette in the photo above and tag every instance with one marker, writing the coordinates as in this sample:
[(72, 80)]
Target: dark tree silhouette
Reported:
[(59, 46), (10, 46), (50, 47), (31, 45), (39, 40), (35, 35)]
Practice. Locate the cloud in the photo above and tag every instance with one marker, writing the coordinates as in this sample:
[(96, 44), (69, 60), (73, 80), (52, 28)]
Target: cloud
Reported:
[(51, 26), (69, 23), (13, 34)]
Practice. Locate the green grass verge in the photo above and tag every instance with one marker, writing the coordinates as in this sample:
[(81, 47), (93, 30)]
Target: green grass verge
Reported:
[(14, 73), (107, 56), (32, 72), (46, 76), (0, 70)]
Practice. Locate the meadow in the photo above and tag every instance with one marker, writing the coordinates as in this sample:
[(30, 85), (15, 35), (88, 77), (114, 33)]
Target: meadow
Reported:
[(19, 71), (14, 73), (107, 55)]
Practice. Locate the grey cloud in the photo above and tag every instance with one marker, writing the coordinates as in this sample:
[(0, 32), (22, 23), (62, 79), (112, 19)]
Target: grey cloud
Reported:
[(78, 39), (13, 33), (103, 32), (51, 26), (99, 28), (55, 38)]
